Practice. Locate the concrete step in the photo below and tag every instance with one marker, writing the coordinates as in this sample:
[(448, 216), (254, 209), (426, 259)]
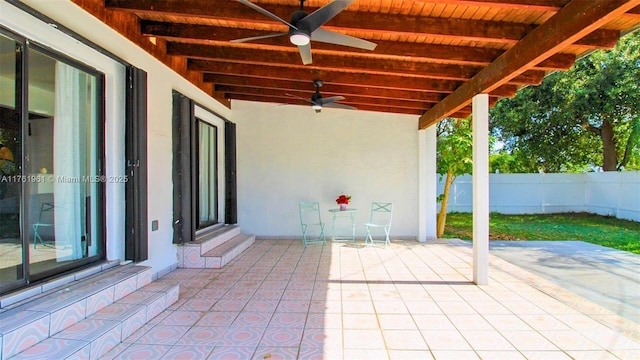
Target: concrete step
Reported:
[(221, 255), (216, 238), (89, 316), (34, 292), (215, 249)]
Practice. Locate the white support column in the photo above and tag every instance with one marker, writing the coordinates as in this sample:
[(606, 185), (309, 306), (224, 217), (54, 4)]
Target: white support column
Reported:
[(481, 189), (427, 184)]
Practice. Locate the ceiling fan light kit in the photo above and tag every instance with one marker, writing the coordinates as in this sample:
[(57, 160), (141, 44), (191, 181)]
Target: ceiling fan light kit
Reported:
[(299, 38)]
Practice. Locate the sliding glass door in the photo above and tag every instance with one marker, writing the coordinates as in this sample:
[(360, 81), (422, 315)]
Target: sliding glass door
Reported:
[(52, 183)]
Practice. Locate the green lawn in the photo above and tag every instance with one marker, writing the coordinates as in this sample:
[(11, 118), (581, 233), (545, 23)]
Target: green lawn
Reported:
[(601, 230)]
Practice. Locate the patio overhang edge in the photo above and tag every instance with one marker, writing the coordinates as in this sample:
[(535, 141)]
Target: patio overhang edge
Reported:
[(574, 21)]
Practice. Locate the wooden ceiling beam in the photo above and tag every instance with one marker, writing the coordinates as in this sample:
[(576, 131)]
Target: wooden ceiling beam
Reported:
[(240, 81), (538, 5), (361, 107), (285, 100), (557, 61), (291, 59), (577, 19), (221, 80), (374, 23), (356, 101), (351, 98), (308, 74), (599, 39), (335, 90), (372, 94), (441, 53)]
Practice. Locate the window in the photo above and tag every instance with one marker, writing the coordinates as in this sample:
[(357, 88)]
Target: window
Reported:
[(207, 175), (203, 163)]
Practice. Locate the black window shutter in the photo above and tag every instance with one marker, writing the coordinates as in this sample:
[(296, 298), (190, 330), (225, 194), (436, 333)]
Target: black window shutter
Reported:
[(231, 187), (183, 127), (137, 232)]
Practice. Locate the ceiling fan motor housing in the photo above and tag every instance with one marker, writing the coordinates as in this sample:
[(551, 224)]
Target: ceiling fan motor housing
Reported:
[(316, 98), (301, 35)]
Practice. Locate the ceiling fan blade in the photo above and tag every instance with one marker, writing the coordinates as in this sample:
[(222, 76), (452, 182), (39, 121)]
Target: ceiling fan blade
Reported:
[(258, 37), (331, 99), (299, 98), (331, 37), (305, 53), (265, 12), (321, 16), (339, 106)]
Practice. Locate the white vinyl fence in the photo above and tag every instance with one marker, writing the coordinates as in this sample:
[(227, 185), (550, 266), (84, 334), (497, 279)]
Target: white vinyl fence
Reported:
[(605, 193)]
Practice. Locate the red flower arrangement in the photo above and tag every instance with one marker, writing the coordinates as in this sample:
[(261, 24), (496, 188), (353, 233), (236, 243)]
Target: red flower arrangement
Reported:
[(343, 199)]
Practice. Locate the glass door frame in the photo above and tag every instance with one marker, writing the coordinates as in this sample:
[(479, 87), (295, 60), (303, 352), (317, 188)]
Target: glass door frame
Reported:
[(20, 103), (22, 107), (99, 221)]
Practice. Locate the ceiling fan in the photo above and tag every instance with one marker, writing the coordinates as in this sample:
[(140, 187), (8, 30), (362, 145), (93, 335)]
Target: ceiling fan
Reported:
[(318, 102), (304, 27)]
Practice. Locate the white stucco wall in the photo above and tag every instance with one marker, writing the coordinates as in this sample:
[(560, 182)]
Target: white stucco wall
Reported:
[(161, 81), (288, 154)]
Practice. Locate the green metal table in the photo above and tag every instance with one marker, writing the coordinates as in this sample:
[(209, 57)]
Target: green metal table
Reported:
[(343, 216)]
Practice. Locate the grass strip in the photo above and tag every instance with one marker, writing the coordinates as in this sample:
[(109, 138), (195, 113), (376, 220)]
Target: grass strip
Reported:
[(602, 230)]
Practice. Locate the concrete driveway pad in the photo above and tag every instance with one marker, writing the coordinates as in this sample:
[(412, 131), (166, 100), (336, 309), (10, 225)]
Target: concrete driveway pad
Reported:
[(608, 277)]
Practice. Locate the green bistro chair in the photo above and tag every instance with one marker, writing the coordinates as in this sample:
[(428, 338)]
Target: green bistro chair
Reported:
[(45, 219), (381, 214), (310, 219)]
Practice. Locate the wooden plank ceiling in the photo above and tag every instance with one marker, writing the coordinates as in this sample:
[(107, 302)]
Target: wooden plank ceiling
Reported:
[(431, 57)]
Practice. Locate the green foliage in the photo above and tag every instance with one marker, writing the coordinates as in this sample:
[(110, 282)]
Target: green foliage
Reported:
[(509, 163), (633, 146), (596, 229), (588, 116), (455, 143), (634, 162)]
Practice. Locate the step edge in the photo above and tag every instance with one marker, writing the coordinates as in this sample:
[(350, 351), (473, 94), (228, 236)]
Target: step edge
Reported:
[(58, 353), (239, 239), (16, 324), (31, 294), (212, 235)]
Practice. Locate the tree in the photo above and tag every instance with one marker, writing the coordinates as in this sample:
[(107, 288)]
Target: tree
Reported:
[(454, 154), (589, 115), (507, 162)]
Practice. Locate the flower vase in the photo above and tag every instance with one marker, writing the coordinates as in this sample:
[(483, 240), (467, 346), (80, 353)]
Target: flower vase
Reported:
[(343, 207)]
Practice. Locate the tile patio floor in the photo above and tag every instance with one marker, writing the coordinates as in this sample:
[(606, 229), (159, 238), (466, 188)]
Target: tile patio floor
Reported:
[(278, 300)]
